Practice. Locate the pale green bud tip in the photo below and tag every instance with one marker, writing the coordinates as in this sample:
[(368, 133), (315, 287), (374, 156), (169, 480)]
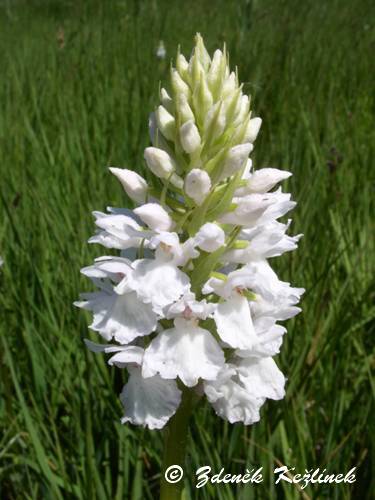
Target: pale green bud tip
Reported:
[(201, 53), (166, 123), (182, 65), (178, 84), (184, 110), (166, 100)]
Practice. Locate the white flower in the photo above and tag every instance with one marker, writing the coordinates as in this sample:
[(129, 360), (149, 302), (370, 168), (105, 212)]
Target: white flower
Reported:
[(210, 237), (155, 216), (264, 241), (197, 185), (118, 231), (258, 208), (188, 307), (169, 246), (120, 316), (231, 400), (157, 282), (149, 402), (185, 351), (242, 388), (134, 185), (205, 226)]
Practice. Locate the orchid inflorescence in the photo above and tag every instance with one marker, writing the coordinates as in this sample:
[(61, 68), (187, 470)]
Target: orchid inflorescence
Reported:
[(192, 303)]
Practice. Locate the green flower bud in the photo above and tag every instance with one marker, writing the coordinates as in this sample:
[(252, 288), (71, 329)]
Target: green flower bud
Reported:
[(166, 100), (166, 123)]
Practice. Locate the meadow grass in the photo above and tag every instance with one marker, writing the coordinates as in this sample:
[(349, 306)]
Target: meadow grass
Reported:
[(78, 82)]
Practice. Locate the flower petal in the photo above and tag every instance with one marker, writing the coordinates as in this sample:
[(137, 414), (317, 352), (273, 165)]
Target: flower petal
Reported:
[(149, 402), (123, 317), (185, 351), (230, 400), (261, 377), (158, 283), (234, 324)]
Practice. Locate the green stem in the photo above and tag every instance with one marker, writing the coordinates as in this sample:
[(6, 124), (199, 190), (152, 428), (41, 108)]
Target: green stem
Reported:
[(176, 437)]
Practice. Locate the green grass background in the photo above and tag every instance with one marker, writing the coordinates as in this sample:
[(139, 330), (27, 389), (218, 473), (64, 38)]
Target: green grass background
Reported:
[(78, 80)]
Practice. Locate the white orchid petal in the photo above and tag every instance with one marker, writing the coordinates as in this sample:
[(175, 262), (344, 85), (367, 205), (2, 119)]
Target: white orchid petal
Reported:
[(234, 324), (122, 317), (158, 283), (262, 377), (185, 351), (231, 400), (130, 354), (149, 402)]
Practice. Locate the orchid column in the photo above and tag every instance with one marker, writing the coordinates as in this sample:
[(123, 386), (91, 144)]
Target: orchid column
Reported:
[(191, 304)]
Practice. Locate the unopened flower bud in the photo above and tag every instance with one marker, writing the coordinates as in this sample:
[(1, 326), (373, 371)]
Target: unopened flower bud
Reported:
[(202, 98), (184, 110), (215, 121), (265, 179), (190, 138), (178, 84), (134, 185), (201, 52), (182, 65), (197, 185), (155, 216), (159, 162), (166, 100), (235, 159), (243, 110), (166, 123), (216, 72), (229, 85), (252, 130)]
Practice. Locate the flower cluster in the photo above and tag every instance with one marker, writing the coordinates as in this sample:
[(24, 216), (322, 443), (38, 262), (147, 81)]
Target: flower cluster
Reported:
[(191, 302)]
